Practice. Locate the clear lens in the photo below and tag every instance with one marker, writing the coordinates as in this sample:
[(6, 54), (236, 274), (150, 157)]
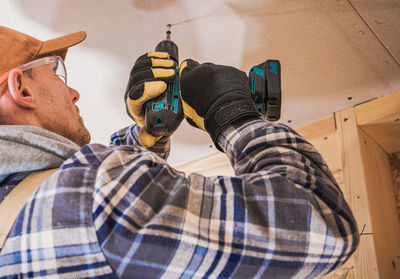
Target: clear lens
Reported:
[(59, 70), (55, 63)]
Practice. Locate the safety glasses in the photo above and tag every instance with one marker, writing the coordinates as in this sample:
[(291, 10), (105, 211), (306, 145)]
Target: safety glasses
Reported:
[(55, 63)]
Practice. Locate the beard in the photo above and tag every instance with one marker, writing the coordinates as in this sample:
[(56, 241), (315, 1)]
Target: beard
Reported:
[(61, 115), (82, 135), (72, 128)]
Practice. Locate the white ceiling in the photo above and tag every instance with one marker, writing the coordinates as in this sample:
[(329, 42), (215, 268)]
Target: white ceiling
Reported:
[(329, 50)]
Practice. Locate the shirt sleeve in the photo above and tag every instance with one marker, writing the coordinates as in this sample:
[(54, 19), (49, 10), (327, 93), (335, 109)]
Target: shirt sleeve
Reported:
[(282, 215), (129, 136), (310, 222)]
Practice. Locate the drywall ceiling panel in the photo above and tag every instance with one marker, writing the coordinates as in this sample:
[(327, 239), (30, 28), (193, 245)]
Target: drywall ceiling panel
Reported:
[(330, 57), (384, 18)]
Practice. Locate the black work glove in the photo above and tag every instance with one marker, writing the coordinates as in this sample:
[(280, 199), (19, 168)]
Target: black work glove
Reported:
[(215, 96), (147, 80)]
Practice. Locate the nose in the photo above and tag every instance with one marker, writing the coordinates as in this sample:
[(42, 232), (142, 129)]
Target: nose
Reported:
[(74, 95)]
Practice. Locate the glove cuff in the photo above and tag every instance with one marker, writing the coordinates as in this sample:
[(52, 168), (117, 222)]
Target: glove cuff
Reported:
[(219, 118)]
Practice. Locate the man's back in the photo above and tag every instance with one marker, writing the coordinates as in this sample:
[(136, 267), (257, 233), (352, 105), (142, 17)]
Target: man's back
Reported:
[(123, 211)]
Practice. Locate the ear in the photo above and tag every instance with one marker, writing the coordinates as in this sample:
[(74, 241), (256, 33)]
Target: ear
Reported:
[(19, 90)]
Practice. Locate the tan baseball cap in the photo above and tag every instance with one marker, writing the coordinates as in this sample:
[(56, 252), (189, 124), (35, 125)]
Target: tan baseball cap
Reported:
[(17, 48)]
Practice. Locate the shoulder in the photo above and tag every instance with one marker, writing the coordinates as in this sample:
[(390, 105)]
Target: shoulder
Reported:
[(95, 154), (113, 161)]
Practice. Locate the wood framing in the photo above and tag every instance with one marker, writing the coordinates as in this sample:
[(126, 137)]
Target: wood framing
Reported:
[(369, 190), (380, 119), (216, 164)]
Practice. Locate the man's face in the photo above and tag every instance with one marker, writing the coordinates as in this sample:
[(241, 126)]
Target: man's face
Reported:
[(56, 105)]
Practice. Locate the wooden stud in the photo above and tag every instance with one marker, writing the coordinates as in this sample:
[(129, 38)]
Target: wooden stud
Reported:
[(369, 191), (318, 128), (374, 110), (216, 164), (380, 118)]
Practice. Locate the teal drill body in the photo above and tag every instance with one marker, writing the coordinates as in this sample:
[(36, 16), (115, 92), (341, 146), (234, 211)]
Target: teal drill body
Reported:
[(164, 114)]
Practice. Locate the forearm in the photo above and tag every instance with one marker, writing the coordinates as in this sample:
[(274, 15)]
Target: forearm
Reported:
[(282, 216), (300, 193), (129, 136)]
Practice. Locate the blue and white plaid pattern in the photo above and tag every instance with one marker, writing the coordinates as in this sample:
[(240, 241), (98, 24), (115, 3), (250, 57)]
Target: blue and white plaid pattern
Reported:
[(122, 211)]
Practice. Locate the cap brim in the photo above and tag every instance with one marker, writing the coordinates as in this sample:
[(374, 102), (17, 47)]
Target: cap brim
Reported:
[(60, 45)]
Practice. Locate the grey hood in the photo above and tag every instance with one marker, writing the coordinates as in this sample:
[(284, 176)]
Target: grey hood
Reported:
[(29, 148)]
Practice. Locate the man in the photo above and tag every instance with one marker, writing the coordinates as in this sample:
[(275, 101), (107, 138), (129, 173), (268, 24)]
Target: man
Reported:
[(122, 212)]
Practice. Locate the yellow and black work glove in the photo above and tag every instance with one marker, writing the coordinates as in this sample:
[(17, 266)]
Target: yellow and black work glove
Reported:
[(147, 80), (215, 96)]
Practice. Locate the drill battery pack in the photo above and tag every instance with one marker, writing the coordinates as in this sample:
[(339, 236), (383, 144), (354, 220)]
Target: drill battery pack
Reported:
[(265, 85)]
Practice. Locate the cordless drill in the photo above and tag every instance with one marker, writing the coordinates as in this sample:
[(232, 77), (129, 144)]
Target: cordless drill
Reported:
[(164, 114)]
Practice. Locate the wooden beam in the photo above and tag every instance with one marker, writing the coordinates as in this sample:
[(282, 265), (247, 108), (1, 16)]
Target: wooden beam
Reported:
[(380, 119), (369, 190), (216, 164), (318, 128)]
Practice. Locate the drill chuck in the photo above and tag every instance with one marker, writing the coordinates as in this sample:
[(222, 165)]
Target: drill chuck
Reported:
[(170, 47)]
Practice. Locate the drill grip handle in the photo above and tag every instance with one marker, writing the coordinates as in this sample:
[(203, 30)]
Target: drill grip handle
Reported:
[(164, 114)]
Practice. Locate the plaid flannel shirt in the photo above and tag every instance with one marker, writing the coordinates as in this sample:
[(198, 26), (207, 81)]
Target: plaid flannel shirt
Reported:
[(123, 212)]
